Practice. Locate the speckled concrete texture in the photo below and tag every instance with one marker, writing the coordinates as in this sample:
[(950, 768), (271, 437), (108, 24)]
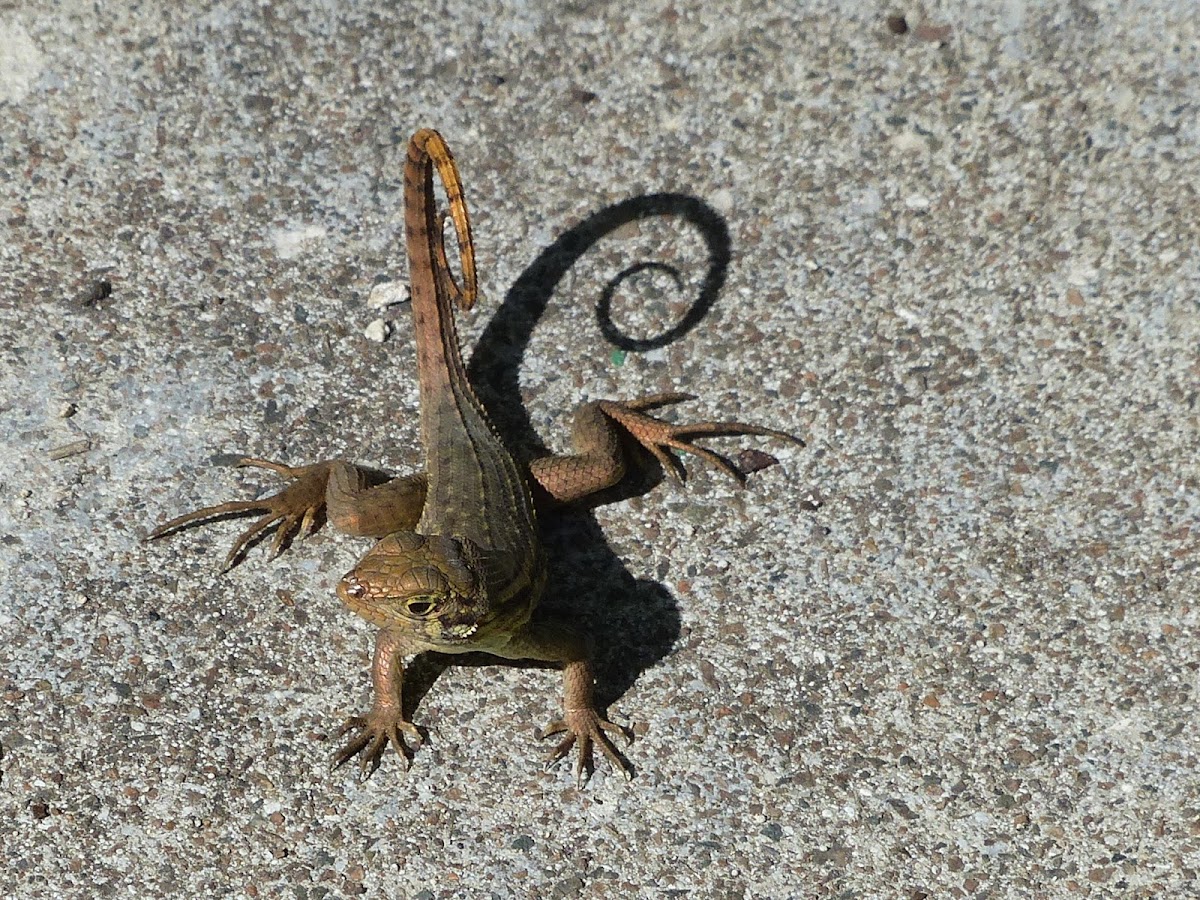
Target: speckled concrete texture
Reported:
[(947, 650)]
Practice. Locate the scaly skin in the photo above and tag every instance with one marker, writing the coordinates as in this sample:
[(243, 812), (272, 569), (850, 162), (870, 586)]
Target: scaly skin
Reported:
[(459, 565)]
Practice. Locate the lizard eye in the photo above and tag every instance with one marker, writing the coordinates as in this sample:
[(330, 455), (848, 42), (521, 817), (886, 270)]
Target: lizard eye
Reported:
[(419, 606)]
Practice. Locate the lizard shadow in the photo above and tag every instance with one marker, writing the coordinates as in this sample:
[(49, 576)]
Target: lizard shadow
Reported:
[(632, 622)]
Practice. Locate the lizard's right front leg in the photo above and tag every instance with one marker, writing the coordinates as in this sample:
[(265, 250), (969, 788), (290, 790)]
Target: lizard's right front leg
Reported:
[(385, 722), (344, 492)]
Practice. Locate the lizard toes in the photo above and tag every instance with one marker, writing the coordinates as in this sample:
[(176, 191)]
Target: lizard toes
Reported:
[(587, 730), (563, 748), (371, 735)]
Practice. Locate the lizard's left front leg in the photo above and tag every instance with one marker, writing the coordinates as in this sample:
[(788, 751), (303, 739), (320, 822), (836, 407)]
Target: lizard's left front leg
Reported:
[(582, 723)]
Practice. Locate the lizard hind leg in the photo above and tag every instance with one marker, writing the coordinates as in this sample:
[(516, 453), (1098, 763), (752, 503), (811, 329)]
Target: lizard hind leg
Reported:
[(659, 437), (293, 510), (355, 501), (599, 460)]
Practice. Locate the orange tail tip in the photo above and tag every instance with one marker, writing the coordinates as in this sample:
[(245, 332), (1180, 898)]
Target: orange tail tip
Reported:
[(428, 144)]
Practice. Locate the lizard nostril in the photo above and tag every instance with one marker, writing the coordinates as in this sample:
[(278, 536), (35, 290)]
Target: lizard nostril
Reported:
[(353, 588)]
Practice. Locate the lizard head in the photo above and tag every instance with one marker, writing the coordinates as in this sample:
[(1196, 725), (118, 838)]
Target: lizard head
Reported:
[(429, 586)]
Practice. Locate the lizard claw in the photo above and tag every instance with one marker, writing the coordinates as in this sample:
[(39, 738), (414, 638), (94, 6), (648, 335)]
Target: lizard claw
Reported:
[(587, 728), (659, 437), (293, 510), (374, 731)]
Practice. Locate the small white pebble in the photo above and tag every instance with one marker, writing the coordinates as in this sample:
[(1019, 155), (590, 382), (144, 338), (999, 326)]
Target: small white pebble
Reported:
[(292, 242), (388, 293), (916, 201), (378, 331), (1081, 275), (722, 201), (66, 410), (910, 142)]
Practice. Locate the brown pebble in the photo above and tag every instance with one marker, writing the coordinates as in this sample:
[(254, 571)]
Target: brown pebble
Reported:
[(935, 34), (750, 460)]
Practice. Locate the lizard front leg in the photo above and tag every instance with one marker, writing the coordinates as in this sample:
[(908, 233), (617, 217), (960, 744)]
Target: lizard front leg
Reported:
[(345, 492), (385, 722), (599, 459), (582, 723)]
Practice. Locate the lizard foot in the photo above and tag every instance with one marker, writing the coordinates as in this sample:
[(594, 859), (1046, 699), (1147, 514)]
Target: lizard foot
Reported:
[(374, 730), (587, 728), (295, 508), (658, 436)]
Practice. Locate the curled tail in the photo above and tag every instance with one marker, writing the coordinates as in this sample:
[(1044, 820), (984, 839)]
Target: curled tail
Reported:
[(427, 150)]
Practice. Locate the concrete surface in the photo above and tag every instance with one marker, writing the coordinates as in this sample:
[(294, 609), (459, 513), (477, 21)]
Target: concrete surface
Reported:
[(949, 649)]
